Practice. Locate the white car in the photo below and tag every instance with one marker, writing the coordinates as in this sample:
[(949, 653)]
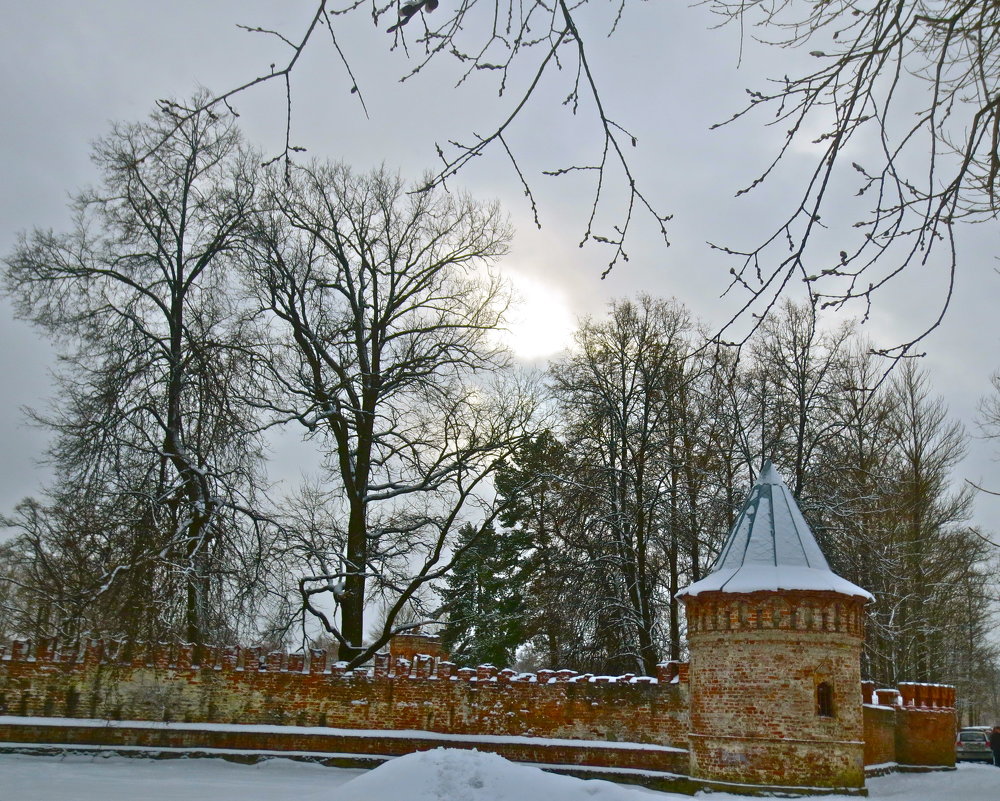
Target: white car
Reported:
[(973, 745)]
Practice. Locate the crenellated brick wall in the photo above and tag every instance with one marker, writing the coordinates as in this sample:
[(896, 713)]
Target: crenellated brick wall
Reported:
[(231, 685), (912, 726), (406, 692)]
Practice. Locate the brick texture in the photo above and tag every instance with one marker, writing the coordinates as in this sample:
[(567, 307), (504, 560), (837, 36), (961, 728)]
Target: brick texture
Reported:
[(162, 683), (880, 735), (757, 663), (925, 736), (749, 713)]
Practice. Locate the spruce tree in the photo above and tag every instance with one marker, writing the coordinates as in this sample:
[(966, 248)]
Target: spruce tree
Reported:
[(483, 598)]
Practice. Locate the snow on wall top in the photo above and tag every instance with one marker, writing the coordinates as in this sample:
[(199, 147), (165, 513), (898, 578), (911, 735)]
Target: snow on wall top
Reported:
[(770, 547)]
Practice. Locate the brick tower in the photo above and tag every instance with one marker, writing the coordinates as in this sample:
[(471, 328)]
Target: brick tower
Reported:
[(775, 647)]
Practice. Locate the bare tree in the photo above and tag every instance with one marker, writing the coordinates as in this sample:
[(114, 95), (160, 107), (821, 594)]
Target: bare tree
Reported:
[(384, 317), (795, 365), (931, 543), (874, 458), (148, 419), (989, 425), (618, 395), (914, 81)]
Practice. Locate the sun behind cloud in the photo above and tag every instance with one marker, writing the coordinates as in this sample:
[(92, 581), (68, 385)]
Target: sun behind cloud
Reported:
[(540, 323)]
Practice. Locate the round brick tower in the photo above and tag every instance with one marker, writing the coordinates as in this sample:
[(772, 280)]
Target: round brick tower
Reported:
[(775, 648)]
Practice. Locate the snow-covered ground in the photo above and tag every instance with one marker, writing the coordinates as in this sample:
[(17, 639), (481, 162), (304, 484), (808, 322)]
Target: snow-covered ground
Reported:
[(429, 776)]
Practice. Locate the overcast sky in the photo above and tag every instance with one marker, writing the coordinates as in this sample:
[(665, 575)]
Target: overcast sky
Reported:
[(70, 68)]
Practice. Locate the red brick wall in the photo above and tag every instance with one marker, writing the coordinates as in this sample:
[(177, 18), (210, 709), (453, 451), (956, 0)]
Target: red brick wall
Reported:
[(410, 645), (914, 733), (880, 735), (232, 686), (925, 737), (751, 717)]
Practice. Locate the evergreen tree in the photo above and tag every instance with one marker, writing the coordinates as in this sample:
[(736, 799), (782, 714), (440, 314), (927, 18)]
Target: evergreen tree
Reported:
[(557, 571), (483, 599)]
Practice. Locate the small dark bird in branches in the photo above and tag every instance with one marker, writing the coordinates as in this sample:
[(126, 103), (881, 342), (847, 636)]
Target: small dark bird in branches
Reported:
[(409, 9)]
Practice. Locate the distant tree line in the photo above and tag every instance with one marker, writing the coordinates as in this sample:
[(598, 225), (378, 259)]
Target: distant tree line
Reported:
[(202, 300)]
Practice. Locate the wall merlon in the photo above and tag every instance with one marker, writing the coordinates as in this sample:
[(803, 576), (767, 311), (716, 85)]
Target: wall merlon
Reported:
[(250, 658), (159, 656), (317, 661), (927, 696), (672, 672), (184, 657), (92, 652), (228, 658), (887, 696), (45, 650), (114, 652), (143, 655), (423, 666), (212, 657)]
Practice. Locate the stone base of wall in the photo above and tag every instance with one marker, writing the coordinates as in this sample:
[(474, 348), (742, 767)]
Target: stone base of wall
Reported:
[(349, 761), (780, 791), (655, 767), (305, 740), (800, 763)]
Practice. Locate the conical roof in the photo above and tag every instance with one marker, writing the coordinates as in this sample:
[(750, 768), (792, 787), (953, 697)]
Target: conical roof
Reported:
[(770, 547)]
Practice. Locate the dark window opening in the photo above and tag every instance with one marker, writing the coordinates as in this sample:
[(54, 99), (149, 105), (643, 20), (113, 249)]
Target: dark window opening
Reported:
[(824, 699)]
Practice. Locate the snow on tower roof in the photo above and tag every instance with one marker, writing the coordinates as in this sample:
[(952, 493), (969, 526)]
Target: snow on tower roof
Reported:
[(770, 547)]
